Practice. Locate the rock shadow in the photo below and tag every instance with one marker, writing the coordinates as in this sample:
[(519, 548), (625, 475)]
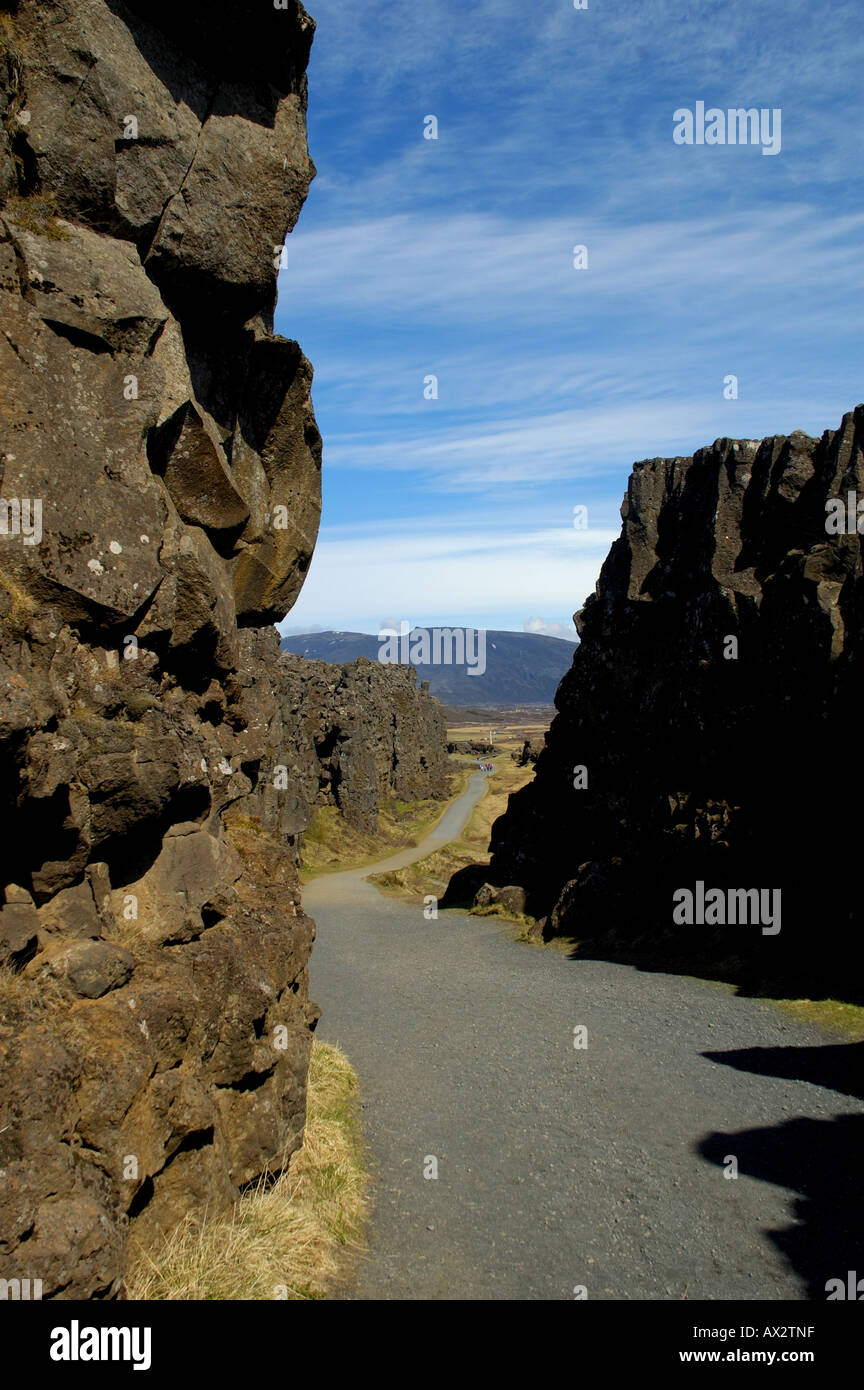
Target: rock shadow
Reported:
[(820, 1161), (835, 1066)]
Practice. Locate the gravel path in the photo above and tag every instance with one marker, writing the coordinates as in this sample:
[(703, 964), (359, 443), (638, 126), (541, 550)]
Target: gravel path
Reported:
[(560, 1167)]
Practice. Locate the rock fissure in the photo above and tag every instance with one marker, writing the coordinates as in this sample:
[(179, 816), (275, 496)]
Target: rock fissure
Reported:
[(179, 189)]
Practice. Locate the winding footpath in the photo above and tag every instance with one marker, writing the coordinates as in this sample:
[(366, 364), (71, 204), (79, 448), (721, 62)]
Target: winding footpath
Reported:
[(562, 1169)]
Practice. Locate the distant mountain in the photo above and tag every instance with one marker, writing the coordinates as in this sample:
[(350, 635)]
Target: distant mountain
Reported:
[(522, 668)]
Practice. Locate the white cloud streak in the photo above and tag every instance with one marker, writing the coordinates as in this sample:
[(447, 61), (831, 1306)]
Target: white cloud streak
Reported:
[(442, 577)]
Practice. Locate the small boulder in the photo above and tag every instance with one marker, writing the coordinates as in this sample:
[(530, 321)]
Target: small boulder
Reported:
[(89, 968), (19, 924), (73, 912), (512, 898)]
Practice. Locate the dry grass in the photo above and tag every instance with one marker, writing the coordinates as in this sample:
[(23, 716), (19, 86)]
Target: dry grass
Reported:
[(36, 213), (331, 845), (23, 1000), (432, 874), (291, 1239), (507, 736)]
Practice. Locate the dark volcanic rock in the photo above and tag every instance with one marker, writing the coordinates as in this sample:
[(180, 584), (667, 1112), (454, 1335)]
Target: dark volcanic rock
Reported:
[(529, 752), (362, 733), (511, 897), (705, 758), (156, 1023)]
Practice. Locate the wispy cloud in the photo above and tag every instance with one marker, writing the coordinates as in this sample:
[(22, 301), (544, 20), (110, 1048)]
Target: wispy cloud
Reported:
[(569, 446), (453, 266), (574, 105), (454, 258), (567, 631), (478, 577), (633, 354)]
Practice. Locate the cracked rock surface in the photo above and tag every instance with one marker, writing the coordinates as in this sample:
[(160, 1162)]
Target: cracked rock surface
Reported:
[(720, 664), (155, 1021)]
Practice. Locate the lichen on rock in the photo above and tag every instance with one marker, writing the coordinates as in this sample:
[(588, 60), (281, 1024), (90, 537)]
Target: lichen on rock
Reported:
[(156, 1021)]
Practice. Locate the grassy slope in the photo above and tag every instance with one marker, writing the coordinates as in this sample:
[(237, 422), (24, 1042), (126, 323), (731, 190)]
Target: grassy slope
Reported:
[(289, 1240), (330, 845)]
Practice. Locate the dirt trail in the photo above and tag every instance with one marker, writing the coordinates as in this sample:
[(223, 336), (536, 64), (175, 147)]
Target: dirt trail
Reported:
[(559, 1167)]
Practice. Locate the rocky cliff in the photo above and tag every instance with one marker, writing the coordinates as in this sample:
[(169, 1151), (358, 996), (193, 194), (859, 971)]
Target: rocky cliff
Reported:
[(362, 734), (161, 494), (706, 728)]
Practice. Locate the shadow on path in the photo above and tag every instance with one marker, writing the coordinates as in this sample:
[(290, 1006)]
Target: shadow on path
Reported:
[(835, 1067), (820, 1160)]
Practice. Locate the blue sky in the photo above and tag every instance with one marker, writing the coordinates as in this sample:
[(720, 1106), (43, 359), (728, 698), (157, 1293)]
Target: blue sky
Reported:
[(454, 257)]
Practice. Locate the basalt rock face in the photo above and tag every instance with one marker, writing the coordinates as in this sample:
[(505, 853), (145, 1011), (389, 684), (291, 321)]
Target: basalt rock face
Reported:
[(161, 486), (680, 755), (363, 733)]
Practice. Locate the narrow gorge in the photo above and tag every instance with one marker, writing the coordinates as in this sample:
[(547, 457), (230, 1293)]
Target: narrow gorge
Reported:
[(165, 766)]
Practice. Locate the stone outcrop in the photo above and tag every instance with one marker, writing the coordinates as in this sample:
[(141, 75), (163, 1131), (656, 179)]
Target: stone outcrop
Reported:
[(529, 752), (474, 748), (706, 728), (362, 734), (510, 898), (161, 490)]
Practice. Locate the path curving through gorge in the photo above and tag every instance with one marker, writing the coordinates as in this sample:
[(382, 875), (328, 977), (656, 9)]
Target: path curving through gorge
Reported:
[(559, 1168)]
